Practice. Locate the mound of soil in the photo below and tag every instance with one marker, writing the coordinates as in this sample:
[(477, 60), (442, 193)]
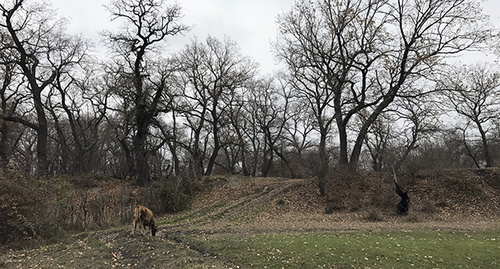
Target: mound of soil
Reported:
[(435, 195), (39, 208), (457, 193)]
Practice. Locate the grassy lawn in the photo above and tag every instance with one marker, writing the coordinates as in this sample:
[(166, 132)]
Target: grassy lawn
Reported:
[(384, 249)]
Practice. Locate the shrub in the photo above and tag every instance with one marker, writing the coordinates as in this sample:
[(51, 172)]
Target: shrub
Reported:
[(175, 194), (24, 210), (413, 218), (34, 208)]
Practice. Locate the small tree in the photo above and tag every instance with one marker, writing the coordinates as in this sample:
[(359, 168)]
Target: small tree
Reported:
[(473, 92)]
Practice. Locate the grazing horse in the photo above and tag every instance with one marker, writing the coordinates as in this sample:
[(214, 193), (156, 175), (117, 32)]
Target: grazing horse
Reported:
[(143, 216)]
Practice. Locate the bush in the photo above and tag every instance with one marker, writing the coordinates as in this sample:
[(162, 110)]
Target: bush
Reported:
[(175, 194), (34, 208), (25, 210)]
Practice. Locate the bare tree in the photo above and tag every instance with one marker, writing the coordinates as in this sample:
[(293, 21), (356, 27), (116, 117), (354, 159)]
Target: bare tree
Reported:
[(240, 121), (472, 92), (10, 133), (212, 71), (399, 131), (352, 56), (147, 23), (419, 121), (272, 100), (248, 129), (78, 105), (42, 50), (299, 128), (303, 43), (377, 141)]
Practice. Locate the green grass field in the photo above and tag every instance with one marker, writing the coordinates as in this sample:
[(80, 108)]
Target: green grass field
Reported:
[(335, 249), (384, 249)]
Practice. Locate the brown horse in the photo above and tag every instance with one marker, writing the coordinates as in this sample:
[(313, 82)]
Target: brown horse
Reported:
[(144, 217)]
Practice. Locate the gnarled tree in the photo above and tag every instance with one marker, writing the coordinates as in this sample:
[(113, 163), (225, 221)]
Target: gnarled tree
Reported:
[(211, 73), (147, 24)]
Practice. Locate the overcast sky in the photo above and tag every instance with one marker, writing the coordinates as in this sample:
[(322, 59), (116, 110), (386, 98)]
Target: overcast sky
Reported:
[(251, 23)]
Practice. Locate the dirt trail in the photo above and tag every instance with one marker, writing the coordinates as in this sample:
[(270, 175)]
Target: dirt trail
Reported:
[(247, 197)]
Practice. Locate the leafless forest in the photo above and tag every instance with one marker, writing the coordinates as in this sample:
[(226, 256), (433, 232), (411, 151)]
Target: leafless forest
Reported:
[(365, 85)]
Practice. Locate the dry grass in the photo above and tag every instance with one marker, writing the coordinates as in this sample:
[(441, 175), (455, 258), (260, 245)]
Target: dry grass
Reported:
[(256, 205)]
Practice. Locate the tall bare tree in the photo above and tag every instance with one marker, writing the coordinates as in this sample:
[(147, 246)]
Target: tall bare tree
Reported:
[(272, 100), (9, 100), (212, 71), (147, 23), (246, 126), (41, 50), (78, 105), (352, 56)]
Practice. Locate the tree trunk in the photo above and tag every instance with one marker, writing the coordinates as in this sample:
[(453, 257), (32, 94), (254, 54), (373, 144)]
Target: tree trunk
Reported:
[(4, 134), (173, 146), (213, 156), (63, 144), (323, 163), (196, 170), (358, 145), (343, 159), (42, 135), (267, 161), (128, 157), (215, 126), (141, 153), (486, 149), (287, 163)]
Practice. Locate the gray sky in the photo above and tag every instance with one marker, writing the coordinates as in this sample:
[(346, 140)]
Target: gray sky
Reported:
[(251, 23)]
